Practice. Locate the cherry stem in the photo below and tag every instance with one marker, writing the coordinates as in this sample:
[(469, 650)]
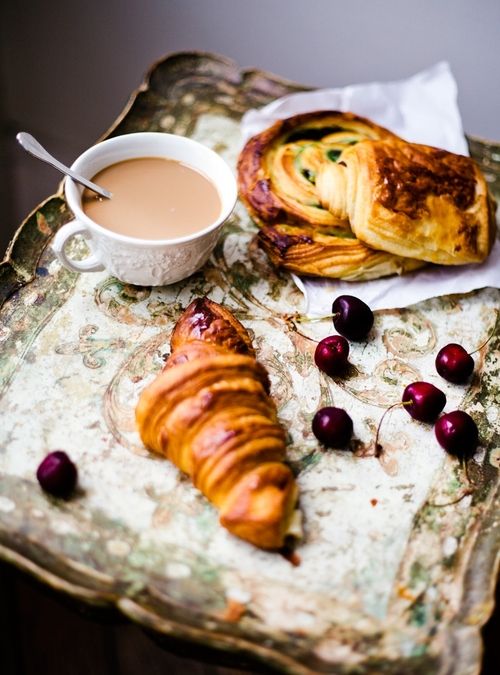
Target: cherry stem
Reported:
[(468, 491), (486, 341), (312, 319), (379, 448), (472, 483), (289, 553)]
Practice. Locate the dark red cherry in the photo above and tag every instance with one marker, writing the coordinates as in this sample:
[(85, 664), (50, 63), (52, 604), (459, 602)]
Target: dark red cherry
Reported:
[(57, 474), (457, 433), (423, 401), (331, 354), (352, 317), (332, 427), (454, 363)]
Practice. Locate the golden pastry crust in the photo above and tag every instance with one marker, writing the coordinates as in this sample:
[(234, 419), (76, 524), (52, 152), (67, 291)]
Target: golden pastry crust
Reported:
[(412, 200), (310, 252), (277, 168), (210, 413)]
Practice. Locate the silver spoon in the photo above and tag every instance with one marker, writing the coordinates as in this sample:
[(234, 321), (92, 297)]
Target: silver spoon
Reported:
[(34, 148)]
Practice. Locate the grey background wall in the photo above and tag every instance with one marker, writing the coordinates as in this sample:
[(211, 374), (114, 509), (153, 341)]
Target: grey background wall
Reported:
[(67, 67)]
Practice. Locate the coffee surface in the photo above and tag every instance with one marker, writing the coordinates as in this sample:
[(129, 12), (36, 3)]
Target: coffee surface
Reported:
[(153, 198)]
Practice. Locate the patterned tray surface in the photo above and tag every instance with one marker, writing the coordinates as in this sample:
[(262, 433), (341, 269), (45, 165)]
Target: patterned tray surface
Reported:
[(389, 580)]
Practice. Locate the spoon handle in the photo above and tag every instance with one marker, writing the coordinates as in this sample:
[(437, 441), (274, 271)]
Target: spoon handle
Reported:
[(34, 148)]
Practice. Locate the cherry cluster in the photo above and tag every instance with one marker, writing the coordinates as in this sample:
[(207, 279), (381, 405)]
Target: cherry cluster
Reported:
[(456, 431)]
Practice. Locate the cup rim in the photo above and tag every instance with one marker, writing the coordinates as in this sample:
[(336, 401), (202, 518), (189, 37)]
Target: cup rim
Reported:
[(72, 193)]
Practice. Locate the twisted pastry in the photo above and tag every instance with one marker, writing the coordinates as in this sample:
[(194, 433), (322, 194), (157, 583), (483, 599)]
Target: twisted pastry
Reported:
[(412, 200), (277, 175), (210, 413), (277, 168)]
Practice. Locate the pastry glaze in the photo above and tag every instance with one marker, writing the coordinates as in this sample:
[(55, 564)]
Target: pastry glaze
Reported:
[(210, 413), (412, 200)]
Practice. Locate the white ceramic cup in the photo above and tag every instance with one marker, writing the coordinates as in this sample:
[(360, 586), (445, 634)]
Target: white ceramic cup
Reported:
[(133, 260)]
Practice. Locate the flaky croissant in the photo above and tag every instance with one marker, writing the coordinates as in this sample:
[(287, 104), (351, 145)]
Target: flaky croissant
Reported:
[(210, 413), (411, 200)]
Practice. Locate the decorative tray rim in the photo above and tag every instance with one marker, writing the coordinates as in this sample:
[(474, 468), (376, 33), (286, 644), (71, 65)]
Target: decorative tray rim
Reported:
[(16, 272)]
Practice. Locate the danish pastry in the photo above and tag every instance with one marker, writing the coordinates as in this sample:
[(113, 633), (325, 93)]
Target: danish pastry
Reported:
[(277, 171), (277, 168), (210, 413), (412, 200)]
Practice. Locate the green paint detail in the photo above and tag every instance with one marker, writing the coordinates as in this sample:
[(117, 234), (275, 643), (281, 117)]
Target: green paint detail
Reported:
[(304, 361), (306, 462), (242, 278), (418, 574), (25, 319), (231, 226), (393, 381), (418, 614), (419, 650)]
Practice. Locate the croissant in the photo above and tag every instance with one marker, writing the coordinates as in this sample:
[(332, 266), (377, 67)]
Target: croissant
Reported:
[(412, 200), (209, 411)]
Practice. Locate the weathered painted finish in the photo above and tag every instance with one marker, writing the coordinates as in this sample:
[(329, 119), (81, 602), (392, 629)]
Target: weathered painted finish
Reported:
[(389, 581)]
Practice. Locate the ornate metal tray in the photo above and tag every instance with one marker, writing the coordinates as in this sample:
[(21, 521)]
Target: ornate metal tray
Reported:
[(391, 580)]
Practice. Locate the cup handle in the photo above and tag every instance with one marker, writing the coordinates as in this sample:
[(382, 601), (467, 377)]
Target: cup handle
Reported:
[(89, 264)]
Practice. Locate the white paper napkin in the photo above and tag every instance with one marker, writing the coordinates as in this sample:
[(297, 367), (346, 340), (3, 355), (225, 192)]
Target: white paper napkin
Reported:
[(422, 109)]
